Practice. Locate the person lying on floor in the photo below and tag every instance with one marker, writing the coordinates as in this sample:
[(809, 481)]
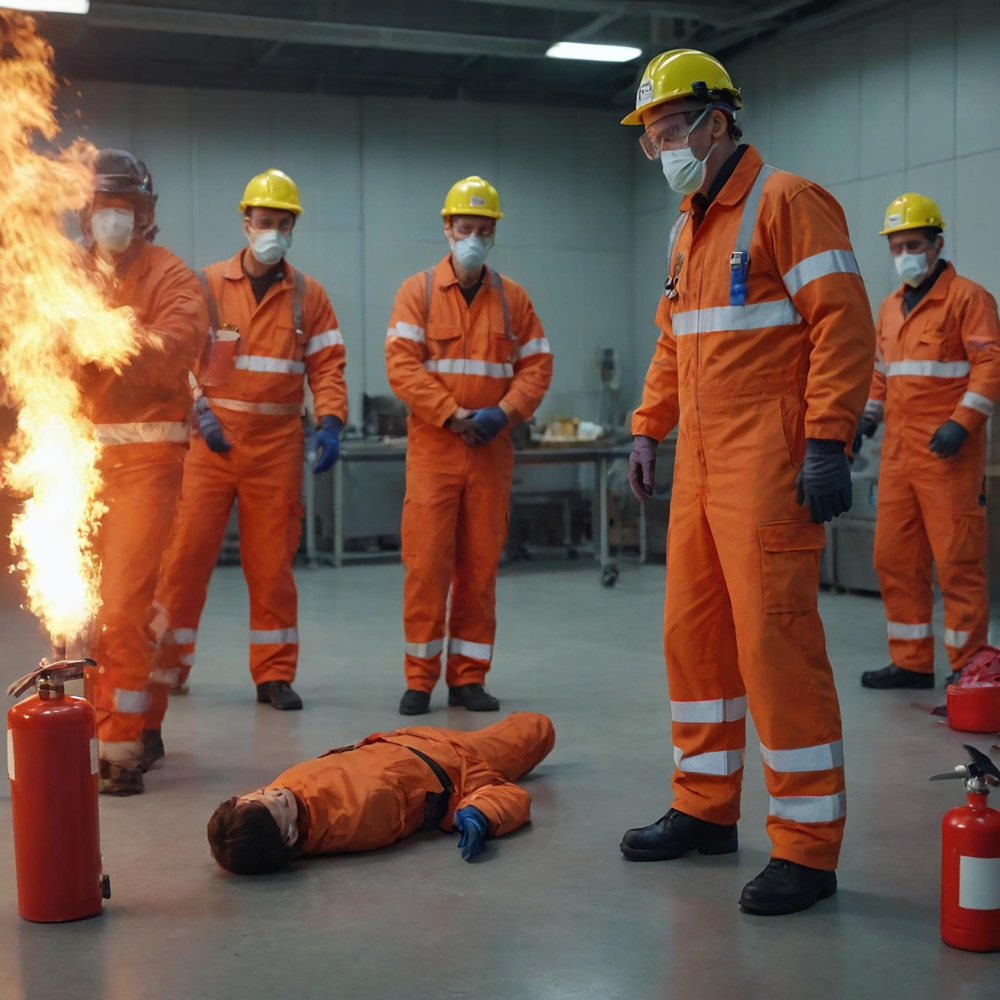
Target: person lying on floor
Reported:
[(369, 795)]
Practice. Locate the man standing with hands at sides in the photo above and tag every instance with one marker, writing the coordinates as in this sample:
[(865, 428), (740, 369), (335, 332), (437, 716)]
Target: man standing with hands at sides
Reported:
[(764, 360), (467, 354), (272, 328), (936, 382)]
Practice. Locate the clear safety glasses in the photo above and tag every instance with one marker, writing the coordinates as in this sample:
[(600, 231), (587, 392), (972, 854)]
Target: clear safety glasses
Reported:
[(671, 132)]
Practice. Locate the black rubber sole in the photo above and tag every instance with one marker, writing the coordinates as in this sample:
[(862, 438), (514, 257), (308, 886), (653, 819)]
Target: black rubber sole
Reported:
[(456, 701), (635, 854), (909, 685), (781, 908)]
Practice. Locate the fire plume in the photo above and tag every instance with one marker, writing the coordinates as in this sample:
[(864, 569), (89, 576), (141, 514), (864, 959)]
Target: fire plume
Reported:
[(53, 321)]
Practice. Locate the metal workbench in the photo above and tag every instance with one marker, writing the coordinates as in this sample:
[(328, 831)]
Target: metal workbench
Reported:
[(600, 456)]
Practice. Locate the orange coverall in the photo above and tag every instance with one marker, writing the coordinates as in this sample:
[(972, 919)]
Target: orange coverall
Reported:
[(749, 383), (259, 403), (442, 354), (939, 363), (141, 419), (370, 795)]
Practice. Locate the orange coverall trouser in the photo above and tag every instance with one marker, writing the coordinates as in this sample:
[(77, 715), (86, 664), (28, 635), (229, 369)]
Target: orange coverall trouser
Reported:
[(262, 471), (929, 512), (453, 532), (141, 497), (742, 628)]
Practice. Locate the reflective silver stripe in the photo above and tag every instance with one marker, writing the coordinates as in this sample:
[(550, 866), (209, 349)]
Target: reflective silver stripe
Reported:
[(475, 650), (540, 345), (469, 366), (265, 409), (818, 758), (875, 409), (748, 218), (719, 762), (975, 401), (819, 265), (157, 432), (956, 639), (716, 710), (131, 702), (278, 366), (164, 675), (425, 650), (880, 367), (809, 808), (274, 635), (329, 338), (408, 331), (185, 636), (186, 659), (905, 630), (932, 369), (721, 319)]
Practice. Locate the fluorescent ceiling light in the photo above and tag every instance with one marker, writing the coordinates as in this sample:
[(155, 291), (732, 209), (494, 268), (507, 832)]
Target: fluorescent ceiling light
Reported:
[(50, 6), (592, 52)]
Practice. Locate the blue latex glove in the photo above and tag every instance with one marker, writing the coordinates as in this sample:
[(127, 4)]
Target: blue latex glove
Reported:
[(326, 443), (487, 424), (824, 481), (472, 825), (209, 427), (948, 438)]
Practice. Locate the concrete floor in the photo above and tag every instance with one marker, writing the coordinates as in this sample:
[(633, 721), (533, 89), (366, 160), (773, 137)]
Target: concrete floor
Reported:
[(551, 912)]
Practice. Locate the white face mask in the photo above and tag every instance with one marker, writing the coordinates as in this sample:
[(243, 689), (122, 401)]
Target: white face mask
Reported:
[(912, 267), (283, 807), (684, 172), (112, 228), (471, 253), (269, 245)]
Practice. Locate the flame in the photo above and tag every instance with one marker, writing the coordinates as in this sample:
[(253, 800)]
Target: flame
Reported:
[(53, 319)]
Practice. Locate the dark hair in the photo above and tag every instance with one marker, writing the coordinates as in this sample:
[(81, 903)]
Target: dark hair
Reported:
[(932, 232), (245, 839)]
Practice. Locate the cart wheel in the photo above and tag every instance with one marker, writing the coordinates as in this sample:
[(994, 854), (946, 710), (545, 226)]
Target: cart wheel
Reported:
[(609, 576), (572, 554)]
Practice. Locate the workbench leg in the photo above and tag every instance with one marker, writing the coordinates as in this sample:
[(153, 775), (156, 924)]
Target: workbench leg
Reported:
[(643, 553), (338, 514)]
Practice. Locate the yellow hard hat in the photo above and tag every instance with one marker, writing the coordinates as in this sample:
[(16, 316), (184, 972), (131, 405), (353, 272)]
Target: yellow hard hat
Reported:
[(472, 196), (683, 73), (911, 211), (272, 189)]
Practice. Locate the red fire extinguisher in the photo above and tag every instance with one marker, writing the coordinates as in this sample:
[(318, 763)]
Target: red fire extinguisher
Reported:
[(52, 765), (970, 860)]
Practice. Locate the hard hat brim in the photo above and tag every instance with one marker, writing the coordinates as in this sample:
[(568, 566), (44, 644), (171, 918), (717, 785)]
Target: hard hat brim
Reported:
[(486, 213), (285, 206), (904, 227)]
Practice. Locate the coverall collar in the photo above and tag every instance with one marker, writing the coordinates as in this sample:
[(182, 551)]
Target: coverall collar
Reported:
[(234, 272), (937, 291), (738, 185), (445, 277)]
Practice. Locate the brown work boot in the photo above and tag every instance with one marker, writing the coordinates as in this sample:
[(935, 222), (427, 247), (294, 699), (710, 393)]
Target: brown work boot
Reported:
[(119, 779), (152, 748)]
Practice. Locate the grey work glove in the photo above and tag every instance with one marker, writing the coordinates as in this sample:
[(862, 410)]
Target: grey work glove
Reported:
[(948, 439), (824, 480), (209, 427), (642, 466)]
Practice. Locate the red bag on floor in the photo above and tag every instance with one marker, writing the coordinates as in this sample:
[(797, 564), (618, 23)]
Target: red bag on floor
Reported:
[(983, 667), (974, 702)]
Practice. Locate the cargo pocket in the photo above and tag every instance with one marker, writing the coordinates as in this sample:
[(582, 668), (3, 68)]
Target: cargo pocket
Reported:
[(793, 427), (439, 337), (789, 552), (968, 540)]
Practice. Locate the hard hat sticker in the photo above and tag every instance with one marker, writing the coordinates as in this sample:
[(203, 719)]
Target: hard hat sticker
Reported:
[(475, 201), (645, 94), (893, 220)]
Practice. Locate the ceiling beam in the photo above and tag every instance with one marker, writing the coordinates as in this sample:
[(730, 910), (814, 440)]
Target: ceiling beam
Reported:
[(710, 12), (290, 30)]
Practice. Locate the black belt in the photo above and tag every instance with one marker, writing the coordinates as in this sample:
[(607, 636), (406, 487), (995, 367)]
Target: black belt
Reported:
[(436, 804)]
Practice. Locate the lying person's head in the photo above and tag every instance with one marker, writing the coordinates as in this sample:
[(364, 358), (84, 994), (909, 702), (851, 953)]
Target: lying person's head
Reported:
[(255, 833)]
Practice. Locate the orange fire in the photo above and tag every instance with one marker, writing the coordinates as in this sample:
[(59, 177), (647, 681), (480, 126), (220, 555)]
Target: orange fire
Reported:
[(53, 320)]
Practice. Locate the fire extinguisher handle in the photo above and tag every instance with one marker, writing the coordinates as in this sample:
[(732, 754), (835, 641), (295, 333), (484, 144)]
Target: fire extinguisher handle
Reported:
[(60, 672)]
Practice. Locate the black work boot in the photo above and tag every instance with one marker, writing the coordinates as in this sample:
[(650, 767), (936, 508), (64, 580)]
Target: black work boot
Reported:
[(954, 677), (280, 695), (152, 748), (676, 834), (473, 698), (119, 779), (896, 677), (786, 887), (414, 702)]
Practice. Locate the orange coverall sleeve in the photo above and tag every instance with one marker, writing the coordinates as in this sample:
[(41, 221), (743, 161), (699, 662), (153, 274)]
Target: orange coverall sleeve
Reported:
[(325, 356), (178, 316), (406, 352), (980, 330), (658, 413), (533, 366), (505, 805), (812, 250)]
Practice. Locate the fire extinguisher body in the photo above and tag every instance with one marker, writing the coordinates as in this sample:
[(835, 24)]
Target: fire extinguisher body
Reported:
[(970, 876), (52, 765)]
